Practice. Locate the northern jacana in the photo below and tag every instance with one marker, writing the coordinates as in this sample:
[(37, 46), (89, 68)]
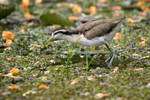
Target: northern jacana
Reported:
[(92, 33)]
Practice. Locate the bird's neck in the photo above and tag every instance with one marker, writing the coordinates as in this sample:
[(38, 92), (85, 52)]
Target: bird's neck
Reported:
[(71, 37)]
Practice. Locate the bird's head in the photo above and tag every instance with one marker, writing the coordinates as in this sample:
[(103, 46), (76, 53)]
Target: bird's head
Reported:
[(57, 34)]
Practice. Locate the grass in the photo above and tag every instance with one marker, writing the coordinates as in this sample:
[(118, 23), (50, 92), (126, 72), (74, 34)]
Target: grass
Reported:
[(128, 82)]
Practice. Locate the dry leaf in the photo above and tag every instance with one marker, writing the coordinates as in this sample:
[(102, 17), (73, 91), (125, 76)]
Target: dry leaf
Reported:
[(115, 69), (5, 93), (27, 15), (22, 30), (8, 35), (34, 75), (1, 74), (14, 70), (85, 94), (115, 8), (93, 10), (142, 14), (38, 1), (139, 3), (25, 4), (76, 9), (148, 85), (100, 95), (116, 14), (44, 79), (118, 36), (130, 20), (8, 59), (73, 18), (13, 87), (138, 69), (119, 98), (43, 86), (28, 92), (91, 77), (143, 42), (74, 81)]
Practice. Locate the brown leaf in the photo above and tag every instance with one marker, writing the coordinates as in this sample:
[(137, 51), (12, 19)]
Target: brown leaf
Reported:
[(43, 86), (100, 95), (74, 81), (115, 69), (91, 77), (5, 93), (138, 69), (14, 70), (13, 87), (28, 92), (148, 85)]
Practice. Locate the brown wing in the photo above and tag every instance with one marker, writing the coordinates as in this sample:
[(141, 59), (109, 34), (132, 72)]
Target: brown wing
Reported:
[(99, 30), (95, 28), (91, 24)]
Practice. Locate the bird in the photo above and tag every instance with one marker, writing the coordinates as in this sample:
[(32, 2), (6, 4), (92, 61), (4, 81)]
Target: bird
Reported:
[(92, 34)]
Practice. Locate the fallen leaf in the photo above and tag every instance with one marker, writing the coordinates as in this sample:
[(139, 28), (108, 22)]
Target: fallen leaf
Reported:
[(119, 98), (101, 95), (77, 9), (38, 1), (43, 78), (8, 35), (85, 94), (139, 3), (130, 20), (73, 18), (103, 83), (103, 1), (148, 85), (28, 92), (138, 69), (116, 14), (34, 75), (43, 86), (91, 77), (5, 93), (142, 14), (25, 4), (93, 10), (115, 69), (13, 87), (8, 59), (27, 15), (118, 36), (1, 74), (115, 8), (22, 30), (143, 42), (74, 81), (14, 70)]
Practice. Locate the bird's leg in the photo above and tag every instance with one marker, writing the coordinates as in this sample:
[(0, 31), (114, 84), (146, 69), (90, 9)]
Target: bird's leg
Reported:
[(113, 53)]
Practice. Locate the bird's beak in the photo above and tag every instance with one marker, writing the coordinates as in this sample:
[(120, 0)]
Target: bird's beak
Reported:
[(50, 39)]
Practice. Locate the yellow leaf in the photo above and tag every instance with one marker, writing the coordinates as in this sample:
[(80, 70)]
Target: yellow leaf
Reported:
[(74, 81), (115, 69), (14, 70), (138, 69), (100, 95), (38, 1), (44, 79), (43, 86), (13, 87), (76, 9), (118, 36), (8, 35), (25, 4)]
